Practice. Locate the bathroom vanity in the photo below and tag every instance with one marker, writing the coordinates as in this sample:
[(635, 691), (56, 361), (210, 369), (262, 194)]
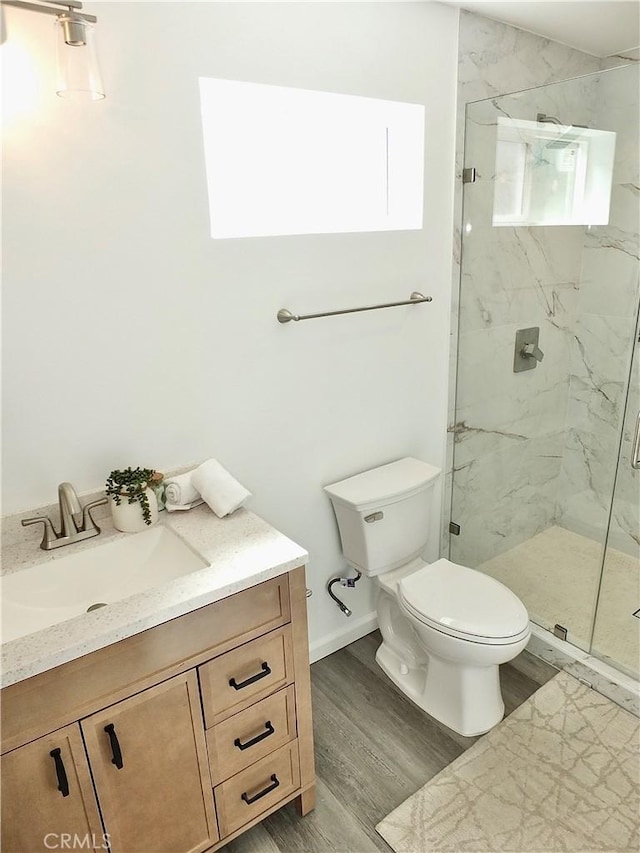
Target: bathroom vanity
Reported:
[(177, 737)]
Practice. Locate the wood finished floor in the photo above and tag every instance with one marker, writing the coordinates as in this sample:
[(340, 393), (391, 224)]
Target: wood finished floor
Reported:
[(373, 749)]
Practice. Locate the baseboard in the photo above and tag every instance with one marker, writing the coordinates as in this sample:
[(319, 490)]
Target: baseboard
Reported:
[(351, 632)]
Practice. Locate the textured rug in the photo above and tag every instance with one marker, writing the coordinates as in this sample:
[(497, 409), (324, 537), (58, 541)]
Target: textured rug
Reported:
[(561, 773)]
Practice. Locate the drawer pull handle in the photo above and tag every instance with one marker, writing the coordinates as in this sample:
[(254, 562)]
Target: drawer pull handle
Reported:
[(265, 670), (115, 746), (269, 730), (274, 784), (63, 782)]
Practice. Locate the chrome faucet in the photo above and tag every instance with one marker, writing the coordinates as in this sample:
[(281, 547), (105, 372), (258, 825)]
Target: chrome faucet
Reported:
[(76, 522)]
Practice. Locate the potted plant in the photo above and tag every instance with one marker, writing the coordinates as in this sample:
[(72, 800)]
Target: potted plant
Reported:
[(133, 503)]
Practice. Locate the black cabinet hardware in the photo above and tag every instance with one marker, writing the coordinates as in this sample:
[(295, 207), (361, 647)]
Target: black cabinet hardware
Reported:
[(264, 671), (61, 773), (269, 730), (115, 746), (274, 784)]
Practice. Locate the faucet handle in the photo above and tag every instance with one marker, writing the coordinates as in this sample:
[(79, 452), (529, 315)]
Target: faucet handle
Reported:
[(532, 351), (48, 536), (87, 518)]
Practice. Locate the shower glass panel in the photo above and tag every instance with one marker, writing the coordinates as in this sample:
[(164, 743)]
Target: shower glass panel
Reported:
[(616, 635), (536, 451)]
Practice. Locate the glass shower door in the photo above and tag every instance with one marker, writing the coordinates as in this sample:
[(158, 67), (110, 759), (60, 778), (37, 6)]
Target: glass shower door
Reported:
[(616, 635), (549, 283)]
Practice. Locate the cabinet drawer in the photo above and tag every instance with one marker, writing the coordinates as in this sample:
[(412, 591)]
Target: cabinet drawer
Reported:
[(250, 735), (257, 788), (239, 678)]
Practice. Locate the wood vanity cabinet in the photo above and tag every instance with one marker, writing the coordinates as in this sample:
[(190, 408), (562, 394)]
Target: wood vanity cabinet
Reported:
[(149, 761), (46, 792), (175, 740)]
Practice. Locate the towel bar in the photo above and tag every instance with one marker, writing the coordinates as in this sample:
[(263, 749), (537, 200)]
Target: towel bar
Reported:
[(285, 316)]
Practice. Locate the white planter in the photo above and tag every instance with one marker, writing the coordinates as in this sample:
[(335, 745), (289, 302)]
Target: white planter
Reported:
[(128, 517)]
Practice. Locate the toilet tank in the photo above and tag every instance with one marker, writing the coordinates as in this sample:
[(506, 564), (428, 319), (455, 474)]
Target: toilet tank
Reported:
[(384, 514)]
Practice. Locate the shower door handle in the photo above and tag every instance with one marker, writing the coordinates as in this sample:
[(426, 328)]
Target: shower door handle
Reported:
[(635, 450)]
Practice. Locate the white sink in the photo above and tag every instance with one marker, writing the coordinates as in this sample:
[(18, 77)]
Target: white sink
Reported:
[(69, 585)]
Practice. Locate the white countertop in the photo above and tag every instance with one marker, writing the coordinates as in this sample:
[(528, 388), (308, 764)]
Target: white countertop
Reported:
[(242, 550)]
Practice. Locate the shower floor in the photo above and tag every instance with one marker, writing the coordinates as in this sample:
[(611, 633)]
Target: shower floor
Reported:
[(556, 575)]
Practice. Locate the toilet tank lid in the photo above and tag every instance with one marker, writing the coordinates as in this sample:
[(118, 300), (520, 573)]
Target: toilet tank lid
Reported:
[(385, 484)]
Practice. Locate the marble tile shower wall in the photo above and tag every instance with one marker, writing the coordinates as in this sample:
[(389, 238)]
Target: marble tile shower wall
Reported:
[(603, 338), (625, 521), (508, 433), (510, 427)]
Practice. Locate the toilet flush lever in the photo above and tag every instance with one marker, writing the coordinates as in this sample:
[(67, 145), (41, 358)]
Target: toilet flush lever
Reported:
[(375, 516)]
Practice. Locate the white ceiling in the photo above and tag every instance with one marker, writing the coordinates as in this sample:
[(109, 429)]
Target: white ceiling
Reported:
[(599, 27)]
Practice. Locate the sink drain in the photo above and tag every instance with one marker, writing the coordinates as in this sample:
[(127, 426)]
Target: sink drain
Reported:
[(96, 606)]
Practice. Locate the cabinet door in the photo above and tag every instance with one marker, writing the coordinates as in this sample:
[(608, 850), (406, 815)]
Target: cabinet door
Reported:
[(149, 762), (47, 796)]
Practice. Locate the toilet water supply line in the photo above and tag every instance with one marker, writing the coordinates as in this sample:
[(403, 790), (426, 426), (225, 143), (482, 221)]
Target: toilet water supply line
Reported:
[(346, 582)]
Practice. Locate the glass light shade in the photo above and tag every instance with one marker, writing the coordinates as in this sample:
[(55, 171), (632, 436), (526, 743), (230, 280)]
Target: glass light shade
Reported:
[(77, 63)]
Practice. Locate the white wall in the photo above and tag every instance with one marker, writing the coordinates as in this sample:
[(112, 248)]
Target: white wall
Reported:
[(131, 337)]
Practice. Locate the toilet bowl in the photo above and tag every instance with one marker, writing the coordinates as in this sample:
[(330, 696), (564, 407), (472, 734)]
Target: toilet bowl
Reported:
[(463, 625), (445, 628)]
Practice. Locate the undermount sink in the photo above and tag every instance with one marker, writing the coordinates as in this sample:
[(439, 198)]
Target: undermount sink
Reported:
[(59, 589)]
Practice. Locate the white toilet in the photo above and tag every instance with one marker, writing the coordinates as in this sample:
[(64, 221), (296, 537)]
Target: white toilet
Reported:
[(445, 628)]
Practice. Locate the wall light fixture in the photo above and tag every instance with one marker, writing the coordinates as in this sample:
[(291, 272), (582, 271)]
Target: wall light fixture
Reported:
[(78, 73)]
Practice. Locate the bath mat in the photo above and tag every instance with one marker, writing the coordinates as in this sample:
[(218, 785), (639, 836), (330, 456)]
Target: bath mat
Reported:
[(561, 773)]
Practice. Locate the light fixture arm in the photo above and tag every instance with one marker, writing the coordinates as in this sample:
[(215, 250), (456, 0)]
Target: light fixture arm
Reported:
[(52, 7)]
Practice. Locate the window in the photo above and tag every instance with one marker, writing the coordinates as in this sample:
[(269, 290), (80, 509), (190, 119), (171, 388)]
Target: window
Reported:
[(293, 161), (552, 174)]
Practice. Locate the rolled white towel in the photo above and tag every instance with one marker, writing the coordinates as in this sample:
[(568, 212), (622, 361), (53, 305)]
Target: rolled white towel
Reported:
[(222, 492), (174, 507), (180, 493)]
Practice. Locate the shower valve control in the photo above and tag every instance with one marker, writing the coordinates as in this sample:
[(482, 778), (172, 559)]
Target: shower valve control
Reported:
[(527, 354)]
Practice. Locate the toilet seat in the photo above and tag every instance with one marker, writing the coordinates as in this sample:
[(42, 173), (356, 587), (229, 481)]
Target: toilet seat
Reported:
[(463, 603)]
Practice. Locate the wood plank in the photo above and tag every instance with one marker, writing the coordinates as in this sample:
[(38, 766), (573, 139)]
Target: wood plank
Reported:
[(332, 826), (254, 840), (407, 737), (353, 767)]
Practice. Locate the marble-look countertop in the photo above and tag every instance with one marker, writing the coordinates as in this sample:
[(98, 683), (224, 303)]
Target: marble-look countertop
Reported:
[(242, 550)]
